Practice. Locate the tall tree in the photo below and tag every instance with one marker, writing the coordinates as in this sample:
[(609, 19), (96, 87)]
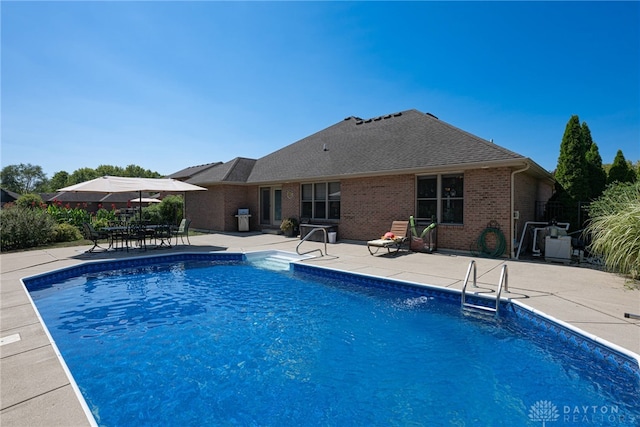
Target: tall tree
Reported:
[(104, 170), (82, 175), (134, 171), (571, 172), (22, 178), (59, 180), (596, 176), (620, 170)]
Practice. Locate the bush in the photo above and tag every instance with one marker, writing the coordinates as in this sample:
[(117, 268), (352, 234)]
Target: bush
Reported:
[(615, 228), (152, 214), (24, 227), (29, 201), (65, 214), (66, 233), (104, 216), (171, 210)]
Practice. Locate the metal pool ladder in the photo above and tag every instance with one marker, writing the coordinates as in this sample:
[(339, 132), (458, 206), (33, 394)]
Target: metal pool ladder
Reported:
[(503, 284), (313, 250)]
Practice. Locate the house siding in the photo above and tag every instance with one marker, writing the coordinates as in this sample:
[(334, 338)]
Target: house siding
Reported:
[(487, 203), (528, 191), (216, 208), (368, 205), (291, 200)]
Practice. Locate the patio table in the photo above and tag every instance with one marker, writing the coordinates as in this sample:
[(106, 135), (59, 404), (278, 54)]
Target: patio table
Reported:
[(116, 233), (162, 233)]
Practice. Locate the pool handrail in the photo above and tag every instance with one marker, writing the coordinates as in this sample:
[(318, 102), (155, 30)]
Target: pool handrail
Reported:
[(313, 250), (502, 284)]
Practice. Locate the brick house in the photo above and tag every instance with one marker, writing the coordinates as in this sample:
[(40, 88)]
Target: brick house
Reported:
[(361, 174)]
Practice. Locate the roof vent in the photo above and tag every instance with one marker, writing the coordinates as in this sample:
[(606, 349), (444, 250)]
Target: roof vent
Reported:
[(377, 118), (324, 147), (388, 116), (397, 114), (359, 122), (429, 114)]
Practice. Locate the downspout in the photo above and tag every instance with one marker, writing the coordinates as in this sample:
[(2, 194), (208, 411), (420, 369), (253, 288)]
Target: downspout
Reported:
[(512, 231)]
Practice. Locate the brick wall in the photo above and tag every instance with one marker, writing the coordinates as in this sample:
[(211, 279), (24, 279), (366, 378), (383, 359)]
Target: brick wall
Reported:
[(528, 191), (369, 205), (291, 200), (486, 199), (215, 209)]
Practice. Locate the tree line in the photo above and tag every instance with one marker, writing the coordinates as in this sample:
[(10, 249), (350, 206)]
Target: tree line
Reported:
[(28, 178), (581, 176)]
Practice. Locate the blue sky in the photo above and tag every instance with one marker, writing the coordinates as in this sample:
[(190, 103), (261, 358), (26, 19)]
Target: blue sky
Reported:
[(166, 85)]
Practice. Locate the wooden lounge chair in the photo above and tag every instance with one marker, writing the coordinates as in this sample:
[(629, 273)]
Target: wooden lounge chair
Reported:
[(397, 241), (94, 235)]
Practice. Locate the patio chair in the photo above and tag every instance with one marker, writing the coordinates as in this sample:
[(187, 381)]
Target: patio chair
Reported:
[(117, 231), (395, 238), (182, 231), (94, 235), (136, 233)]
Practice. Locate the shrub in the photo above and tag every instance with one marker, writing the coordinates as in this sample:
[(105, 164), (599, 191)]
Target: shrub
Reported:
[(65, 214), (615, 228), (104, 216), (152, 214), (66, 233), (100, 223), (29, 201), (24, 227), (171, 210)]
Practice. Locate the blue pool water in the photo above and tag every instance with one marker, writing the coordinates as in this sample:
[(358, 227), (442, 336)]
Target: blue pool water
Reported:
[(224, 343)]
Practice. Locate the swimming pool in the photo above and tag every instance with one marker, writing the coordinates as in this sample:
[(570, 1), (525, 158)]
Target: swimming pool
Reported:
[(208, 339)]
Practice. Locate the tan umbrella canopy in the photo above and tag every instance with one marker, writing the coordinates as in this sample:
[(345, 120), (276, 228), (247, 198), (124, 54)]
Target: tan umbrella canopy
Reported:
[(119, 184), (145, 200)]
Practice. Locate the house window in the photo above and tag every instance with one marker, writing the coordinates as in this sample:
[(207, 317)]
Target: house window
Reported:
[(452, 199), (441, 197), (321, 200), (427, 197)]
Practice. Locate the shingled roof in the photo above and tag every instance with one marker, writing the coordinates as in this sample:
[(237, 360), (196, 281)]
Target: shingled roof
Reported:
[(191, 171), (407, 141), (234, 171)]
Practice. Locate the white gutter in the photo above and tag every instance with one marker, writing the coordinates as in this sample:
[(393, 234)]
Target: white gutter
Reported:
[(512, 231)]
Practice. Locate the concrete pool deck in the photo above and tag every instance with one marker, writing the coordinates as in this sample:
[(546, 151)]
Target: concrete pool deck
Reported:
[(35, 390)]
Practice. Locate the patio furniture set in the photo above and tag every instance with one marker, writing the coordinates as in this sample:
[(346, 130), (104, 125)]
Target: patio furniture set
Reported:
[(136, 235)]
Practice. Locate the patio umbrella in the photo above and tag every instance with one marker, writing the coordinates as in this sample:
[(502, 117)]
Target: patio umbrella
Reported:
[(145, 200), (119, 184)]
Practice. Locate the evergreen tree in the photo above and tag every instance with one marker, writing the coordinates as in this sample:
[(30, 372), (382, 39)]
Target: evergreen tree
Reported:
[(596, 176), (571, 172), (620, 170)]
